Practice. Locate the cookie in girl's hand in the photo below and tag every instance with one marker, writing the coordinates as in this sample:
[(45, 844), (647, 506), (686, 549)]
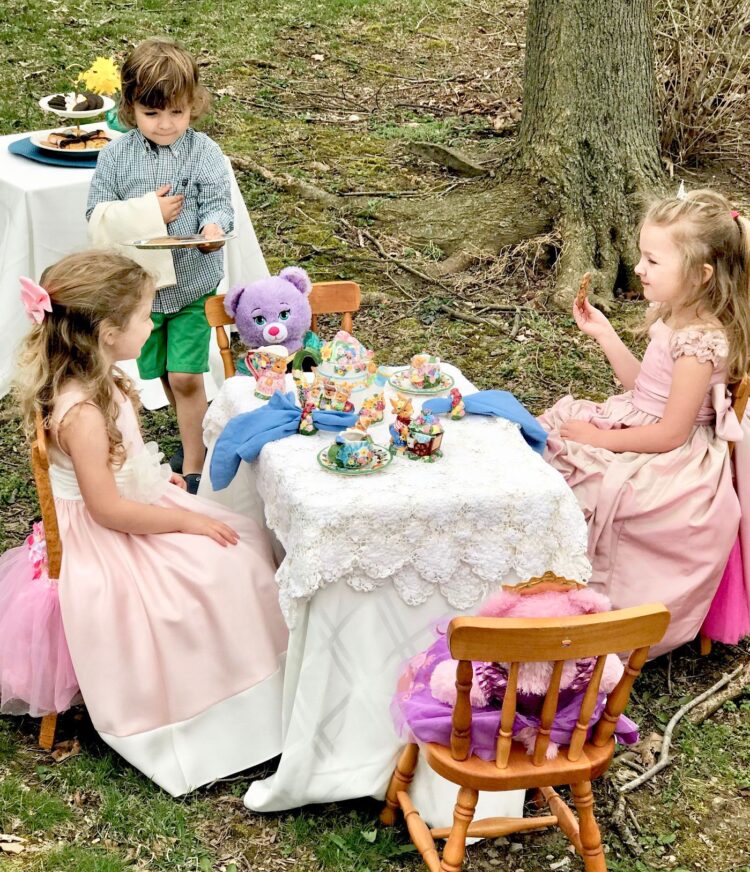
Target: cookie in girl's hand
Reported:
[(583, 290)]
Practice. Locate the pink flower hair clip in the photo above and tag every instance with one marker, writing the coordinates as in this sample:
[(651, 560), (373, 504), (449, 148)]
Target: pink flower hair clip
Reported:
[(735, 214), (35, 300)]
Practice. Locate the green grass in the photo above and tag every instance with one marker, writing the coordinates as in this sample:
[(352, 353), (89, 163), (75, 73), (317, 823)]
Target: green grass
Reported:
[(38, 810), (76, 859)]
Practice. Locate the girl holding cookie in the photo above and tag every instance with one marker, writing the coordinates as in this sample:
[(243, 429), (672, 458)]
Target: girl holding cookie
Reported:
[(651, 467)]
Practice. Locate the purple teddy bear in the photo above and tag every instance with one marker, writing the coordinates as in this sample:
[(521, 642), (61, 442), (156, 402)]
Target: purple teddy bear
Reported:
[(273, 311)]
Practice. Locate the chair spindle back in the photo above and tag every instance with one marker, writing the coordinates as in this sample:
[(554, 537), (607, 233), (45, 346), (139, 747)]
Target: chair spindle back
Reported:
[(514, 641)]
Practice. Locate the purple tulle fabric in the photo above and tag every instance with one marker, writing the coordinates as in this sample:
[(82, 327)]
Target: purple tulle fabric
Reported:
[(417, 713)]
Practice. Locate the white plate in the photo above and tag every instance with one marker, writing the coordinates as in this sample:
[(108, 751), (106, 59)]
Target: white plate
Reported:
[(69, 113), (40, 136)]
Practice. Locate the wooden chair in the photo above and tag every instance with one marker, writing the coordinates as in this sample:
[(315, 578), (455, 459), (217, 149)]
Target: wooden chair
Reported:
[(326, 298), (515, 641), (40, 468), (740, 395)]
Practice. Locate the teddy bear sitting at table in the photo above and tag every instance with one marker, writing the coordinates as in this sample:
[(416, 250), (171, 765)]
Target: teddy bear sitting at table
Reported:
[(274, 310)]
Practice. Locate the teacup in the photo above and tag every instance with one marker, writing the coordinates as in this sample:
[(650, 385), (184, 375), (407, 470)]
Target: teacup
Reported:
[(424, 371), (351, 450)]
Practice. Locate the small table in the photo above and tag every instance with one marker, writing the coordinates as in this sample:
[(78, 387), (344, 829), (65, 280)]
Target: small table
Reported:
[(370, 564), (43, 218)]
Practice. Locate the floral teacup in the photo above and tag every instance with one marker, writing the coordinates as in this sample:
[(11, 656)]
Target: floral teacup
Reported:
[(351, 450)]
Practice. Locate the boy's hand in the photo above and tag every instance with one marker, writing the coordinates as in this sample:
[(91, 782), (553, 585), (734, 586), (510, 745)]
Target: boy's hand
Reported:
[(211, 231), (177, 479), (170, 206)]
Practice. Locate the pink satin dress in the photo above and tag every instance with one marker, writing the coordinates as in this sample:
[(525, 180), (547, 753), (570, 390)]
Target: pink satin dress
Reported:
[(178, 643), (661, 526)]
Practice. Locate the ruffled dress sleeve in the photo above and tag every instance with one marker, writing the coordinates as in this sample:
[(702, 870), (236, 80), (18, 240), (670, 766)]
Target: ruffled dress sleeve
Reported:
[(707, 344)]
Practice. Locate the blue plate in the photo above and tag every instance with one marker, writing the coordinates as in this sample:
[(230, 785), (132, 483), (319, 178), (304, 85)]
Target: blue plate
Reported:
[(26, 148)]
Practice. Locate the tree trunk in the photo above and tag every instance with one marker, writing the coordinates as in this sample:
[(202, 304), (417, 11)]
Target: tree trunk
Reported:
[(588, 128)]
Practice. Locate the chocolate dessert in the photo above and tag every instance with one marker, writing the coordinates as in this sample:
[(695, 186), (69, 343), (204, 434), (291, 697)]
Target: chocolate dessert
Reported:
[(67, 140)]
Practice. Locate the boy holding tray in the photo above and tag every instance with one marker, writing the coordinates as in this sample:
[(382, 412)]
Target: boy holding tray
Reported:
[(163, 178)]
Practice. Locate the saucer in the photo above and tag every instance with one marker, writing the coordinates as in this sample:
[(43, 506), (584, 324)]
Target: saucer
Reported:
[(382, 457), (400, 381)]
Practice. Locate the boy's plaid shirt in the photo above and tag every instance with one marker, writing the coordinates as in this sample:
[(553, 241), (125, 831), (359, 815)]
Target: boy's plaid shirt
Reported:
[(194, 166)]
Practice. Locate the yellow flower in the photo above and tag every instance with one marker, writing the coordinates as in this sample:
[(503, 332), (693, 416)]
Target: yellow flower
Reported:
[(102, 77)]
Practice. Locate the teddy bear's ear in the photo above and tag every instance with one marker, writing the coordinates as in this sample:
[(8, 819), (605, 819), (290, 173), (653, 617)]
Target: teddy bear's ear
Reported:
[(298, 277), (232, 299)]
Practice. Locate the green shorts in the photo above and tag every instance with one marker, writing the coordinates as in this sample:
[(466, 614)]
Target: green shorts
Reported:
[(178, 343)]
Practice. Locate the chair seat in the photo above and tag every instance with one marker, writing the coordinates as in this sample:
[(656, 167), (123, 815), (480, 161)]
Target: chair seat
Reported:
[(521, 773)]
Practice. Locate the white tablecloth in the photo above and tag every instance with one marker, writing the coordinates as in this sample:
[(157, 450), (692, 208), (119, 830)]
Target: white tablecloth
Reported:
[(43, 218), (371, 564)]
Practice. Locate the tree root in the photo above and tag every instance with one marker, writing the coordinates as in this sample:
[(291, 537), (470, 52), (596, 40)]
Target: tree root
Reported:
[(664, 758), (447, 157), (306, 190)]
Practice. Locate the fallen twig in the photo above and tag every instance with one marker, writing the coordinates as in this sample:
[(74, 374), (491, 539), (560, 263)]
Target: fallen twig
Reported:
[(405, 266), (664, 758), (624, 831), (736, 688), (465, 316)]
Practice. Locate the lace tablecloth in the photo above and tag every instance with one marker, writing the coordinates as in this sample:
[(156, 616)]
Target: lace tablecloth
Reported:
[(488, 512)]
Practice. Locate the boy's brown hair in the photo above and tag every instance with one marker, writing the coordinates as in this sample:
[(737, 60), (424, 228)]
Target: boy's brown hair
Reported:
[(159, 73)]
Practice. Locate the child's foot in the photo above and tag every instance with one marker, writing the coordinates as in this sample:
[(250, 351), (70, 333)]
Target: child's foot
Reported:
[(193, 480), (175, 461)]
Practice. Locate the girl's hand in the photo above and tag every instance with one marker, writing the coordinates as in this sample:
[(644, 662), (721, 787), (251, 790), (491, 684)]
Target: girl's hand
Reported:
[(591, 321), (177, 479), (202, 525), (582, 431)]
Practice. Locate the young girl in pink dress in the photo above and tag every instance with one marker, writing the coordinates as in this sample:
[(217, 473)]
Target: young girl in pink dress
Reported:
[(651, 467), (168, 602)]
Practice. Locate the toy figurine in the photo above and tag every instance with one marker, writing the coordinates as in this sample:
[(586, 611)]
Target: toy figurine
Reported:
[(457, 410), (268, 366), (424, 437), (372, 411), (402, 408)]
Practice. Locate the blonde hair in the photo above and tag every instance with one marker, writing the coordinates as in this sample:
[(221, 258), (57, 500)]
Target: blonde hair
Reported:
[(706, 230), (88, 290), (159, 73)]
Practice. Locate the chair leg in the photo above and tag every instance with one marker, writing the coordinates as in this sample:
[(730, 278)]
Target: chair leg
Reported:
[(47, 731), (591, 840), (705, 645), (463, 814), (400, 780)]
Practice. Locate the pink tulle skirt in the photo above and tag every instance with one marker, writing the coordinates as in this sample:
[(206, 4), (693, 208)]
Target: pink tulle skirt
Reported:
[(36, 672), (728, 619)]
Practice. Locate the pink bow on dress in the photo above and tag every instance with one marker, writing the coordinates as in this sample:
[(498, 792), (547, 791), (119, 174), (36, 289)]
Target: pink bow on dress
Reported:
[(35, 300), (727, 425)]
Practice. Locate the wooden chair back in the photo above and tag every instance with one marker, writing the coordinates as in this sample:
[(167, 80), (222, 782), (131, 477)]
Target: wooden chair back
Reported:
[(740, 392), (40, 469), (514, 641), (326, 298)]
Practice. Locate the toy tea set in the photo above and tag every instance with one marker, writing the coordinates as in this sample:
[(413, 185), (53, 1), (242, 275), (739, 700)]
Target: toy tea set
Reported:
[(273, 317)]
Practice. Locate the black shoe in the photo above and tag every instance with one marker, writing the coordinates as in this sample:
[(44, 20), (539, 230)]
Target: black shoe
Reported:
[(176, 460), (193, 480)]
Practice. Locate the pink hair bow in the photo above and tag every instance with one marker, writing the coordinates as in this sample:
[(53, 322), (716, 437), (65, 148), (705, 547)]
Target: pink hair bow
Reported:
[(35, 300)]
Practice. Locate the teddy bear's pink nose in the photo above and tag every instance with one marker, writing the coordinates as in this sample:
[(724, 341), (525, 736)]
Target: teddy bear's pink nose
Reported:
[(273, 331)]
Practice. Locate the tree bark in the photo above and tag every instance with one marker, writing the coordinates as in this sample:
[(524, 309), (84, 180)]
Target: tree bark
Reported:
[(588, 128)]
